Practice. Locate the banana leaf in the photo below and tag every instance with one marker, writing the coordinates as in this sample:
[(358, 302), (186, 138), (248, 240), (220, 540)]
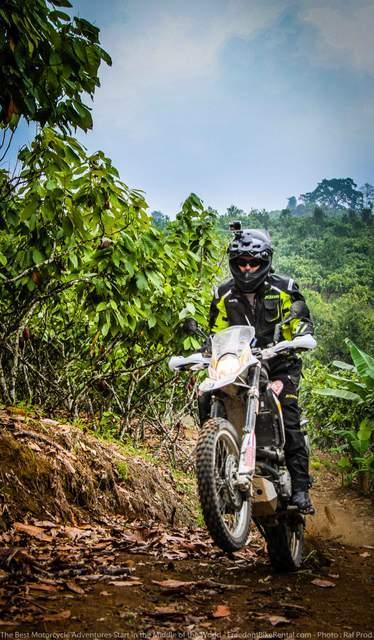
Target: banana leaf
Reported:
[(339, 393)]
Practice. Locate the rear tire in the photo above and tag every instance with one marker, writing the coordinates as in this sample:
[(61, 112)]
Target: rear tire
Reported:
[(285, 543), (226, 510)]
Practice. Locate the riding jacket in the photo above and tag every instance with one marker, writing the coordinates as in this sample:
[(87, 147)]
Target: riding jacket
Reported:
[(270, 305)]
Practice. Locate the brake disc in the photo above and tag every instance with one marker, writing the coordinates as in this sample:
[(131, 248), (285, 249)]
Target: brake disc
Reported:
[(231, 469)]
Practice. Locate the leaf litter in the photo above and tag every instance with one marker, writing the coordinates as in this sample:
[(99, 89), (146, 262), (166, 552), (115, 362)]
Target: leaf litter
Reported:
[(44, 563)]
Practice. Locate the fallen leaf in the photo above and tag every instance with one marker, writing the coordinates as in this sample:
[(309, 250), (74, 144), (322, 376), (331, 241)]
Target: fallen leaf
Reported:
[(276, 620), (62, 615), (30, 530), (53, 423), (366, 554), (174, 585), (45, 523), (166, 612), (128, 583), (16, 411), (34, 446), (75, 533), (3, 575), (42, 586), (290, 606), (104, 593), (323, 583), (221, 611), (333, 575), (75, 587)]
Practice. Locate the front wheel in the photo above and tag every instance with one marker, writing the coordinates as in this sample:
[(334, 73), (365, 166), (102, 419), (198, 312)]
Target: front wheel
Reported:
[(226, 510), (285, 543)]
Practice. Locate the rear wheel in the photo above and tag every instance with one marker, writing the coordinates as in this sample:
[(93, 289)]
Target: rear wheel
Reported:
[(285, 543), (226, 510)]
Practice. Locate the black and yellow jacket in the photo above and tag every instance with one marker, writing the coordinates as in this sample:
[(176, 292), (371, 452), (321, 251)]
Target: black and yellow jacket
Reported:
[(272, 303)]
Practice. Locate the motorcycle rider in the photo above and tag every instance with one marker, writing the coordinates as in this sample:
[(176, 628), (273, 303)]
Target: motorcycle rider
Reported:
[(258, 296)]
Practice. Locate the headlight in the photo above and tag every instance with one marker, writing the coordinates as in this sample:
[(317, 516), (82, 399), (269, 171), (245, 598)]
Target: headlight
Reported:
[(227, 366)]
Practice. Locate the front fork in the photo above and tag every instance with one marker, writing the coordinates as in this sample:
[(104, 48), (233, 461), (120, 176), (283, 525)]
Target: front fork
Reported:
[(247, 460)]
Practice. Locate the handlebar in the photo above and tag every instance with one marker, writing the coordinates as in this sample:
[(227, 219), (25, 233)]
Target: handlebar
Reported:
[(196, 361)]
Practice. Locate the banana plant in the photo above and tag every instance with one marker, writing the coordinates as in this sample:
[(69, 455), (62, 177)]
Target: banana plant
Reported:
[(359, 389), (360, 386)]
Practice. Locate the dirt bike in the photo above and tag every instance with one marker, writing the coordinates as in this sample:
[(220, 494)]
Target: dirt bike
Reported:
[(240, 461)]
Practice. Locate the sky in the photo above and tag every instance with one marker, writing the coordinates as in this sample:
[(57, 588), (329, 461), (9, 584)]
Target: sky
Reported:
[(244, 102)]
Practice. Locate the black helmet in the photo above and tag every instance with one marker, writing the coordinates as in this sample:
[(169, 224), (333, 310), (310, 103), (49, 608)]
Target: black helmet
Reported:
[(250, 243)]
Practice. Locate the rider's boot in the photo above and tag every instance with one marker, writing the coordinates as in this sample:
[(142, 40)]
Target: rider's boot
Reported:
[(298, 463), (301, 499)]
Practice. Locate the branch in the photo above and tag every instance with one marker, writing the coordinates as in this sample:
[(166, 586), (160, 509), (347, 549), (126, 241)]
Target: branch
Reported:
[(33, 267), (7, 147)]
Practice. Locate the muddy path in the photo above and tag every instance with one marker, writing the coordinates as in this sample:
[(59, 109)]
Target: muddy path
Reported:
[(108, 577), (224, 596), (138, 581)]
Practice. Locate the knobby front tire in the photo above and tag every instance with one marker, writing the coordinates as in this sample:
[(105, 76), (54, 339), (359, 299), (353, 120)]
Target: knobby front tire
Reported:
[(226, 511)]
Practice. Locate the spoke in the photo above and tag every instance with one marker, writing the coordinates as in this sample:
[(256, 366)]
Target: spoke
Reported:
[(226, 457)]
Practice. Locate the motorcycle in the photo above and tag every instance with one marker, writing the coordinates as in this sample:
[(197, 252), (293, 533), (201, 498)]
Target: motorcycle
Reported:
[(240, 460)]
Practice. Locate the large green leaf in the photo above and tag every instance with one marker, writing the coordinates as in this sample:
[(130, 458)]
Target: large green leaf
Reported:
[(351, 385), (338, 393), (366, 429), (362, 361), (343, 365)]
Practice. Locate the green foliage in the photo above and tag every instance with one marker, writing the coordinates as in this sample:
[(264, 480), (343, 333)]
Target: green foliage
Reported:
[(334, 194), (93, 289), (332, 261), (48, 60), (360, 387), (160, 220), (122, 470), (353, 437), (92, 292)]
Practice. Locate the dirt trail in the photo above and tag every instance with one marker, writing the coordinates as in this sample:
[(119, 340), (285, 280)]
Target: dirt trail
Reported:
[(245, 593), (103, 574), (140, 582)]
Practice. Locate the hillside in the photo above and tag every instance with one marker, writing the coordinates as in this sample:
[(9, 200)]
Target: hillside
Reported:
[(55, 471)]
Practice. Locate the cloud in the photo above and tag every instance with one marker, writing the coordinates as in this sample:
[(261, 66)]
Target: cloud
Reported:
[(346, 34), (163, 48)]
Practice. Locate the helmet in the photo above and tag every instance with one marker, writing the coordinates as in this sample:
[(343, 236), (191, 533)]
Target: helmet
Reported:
[(251, 243)]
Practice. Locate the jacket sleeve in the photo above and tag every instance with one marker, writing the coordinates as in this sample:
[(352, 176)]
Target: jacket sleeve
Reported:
[(301, 325), (217, 314)]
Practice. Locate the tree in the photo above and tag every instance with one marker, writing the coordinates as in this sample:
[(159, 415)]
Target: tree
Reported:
[(48, 62), (235, 212), (160, 220), (318, 215), (292, 203), (285, 214), (91, 292), (337, 193), (300, 210), (367, 215), (368, 195)]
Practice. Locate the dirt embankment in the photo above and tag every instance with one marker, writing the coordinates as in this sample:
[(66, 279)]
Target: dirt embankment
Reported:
[(55, 471)]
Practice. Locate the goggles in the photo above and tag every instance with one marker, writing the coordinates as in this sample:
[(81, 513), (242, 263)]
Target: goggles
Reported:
[(252, 262)]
